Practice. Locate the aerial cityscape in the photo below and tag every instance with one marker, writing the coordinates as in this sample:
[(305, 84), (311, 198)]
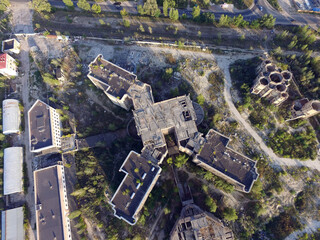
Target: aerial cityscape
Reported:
[(160, 119)]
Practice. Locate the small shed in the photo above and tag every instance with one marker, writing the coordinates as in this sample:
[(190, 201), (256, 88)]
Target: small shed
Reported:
[(12, 224), (12, 170), (10, 116)]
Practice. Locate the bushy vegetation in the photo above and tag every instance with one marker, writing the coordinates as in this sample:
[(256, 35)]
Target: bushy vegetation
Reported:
[(230, 214), (284, 224), (4, 4), (301, 145), (275, 4), (41, 6)]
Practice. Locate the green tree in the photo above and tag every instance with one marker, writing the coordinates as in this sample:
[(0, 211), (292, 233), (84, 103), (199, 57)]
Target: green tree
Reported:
[(211, 204), (169, 160), (165, 8), (96, 8), (123, 12), (41, 5), (150, 7), (230, 214), (126, 23), (79, 193), (84, 5), (201, 100), (224, 20), (180, 160), (267, 21), (141, 28), (50, 80), (74, 214), (4, 4), (196, 13), (150, 29), (174, 14), (68, 3)]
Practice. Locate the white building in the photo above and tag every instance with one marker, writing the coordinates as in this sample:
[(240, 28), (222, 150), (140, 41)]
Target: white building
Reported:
[(44, 127), (8, 66), (12, 170), (10, 116), (12, 224), (11, 46), (51, 204)]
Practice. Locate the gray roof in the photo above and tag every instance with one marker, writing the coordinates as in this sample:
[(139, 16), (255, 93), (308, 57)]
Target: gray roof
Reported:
[(114, 79), (228, 162), (39, 125), (153, 118), (126, 204), (48, 204)]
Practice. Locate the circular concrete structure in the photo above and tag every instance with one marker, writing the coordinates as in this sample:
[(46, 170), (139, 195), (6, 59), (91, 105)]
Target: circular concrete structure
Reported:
[(286, 75), (281, 88), (275, 77), (270, 67)]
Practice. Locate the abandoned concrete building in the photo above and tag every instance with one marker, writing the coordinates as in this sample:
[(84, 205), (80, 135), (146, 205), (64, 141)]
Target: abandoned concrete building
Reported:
[(272, 83), (194, 223), (216, 157), (11, 46), (154, 121), (44, 127), (303, 108)]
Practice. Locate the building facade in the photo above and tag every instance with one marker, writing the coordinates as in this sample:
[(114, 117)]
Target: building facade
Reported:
[(8, 66)]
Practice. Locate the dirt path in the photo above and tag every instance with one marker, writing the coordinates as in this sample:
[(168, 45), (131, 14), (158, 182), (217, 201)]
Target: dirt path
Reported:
[(310, 227), (224, 62)]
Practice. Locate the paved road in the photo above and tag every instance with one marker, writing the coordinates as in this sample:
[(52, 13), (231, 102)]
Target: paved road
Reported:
[(283, 18)]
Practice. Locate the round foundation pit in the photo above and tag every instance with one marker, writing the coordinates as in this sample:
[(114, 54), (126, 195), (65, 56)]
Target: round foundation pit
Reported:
[(276, 77), (316, 106), (286, 75), (281, 88), (270, 67), (284, 95), (264, 81)]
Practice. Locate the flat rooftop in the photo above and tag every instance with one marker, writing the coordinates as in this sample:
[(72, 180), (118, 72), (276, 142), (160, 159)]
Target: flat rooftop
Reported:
[(118, 80), (48, 204), (152, 119), (40, 125), (140, 177), (217, 155)]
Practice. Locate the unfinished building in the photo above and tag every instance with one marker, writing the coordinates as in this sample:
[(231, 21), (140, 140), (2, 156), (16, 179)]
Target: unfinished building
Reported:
[(194, 223), (216, 157), (154, 121), (303, 108), (272, 83)]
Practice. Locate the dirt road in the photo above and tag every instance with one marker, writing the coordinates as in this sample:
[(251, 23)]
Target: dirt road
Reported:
[(224, 62)]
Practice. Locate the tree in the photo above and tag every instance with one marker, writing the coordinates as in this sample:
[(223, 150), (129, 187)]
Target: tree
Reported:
[(123, 12), (68, 3), (41, 5), (180, 160), (84, 5), (267, 21), (126, 23), (141, 28), (196, 13), (96, 8), (201, 100), (4, 4), (50, 80), (230, 214), (174, 14), (169, 160), (224, 20), (150, 29), (165, 8), (150, 7), (211, 204), (79, 193), (74, 214)]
